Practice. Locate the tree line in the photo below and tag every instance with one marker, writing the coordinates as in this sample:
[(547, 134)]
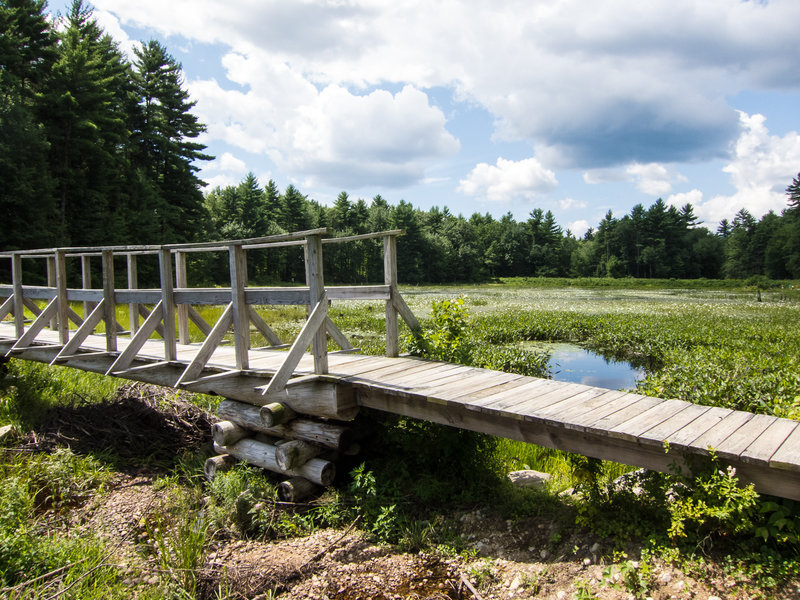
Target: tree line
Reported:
[(660, 241), (97, 149)]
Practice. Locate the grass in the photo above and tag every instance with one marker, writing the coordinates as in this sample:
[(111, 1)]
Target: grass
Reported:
[(706, 342)]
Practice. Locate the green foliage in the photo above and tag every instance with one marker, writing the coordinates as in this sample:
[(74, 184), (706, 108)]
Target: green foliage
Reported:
[(179, 547), (446, 338)]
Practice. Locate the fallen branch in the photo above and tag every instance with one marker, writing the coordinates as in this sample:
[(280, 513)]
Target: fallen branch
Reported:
[(324, 551), (470, 587)]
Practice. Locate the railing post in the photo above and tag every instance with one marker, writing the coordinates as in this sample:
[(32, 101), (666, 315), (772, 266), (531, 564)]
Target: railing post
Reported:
[(237, 260), (51, 283), (19, 305), (390, 279), (86, 282), (167, 303), (181, 281), (61, 293), (316, 289), (109, 301), (133, 283)]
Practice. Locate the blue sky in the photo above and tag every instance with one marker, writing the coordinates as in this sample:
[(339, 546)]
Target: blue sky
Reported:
[(492, 107)]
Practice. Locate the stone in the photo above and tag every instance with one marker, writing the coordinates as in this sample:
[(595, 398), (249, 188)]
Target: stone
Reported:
[(529, 478), (595, 547)]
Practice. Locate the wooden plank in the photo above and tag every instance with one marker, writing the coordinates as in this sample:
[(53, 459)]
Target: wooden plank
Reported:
[(478, 395), (635, 426), (717, 434), (51, 283), (767, 444), (362, 367), (515, 396), (62, 320), (403, 310), (237, 261), (138, 340), (397, 378), (7, 307), (315, 321), (470, 388), (683, 437), (262, 326), (661, 432), (19, 305), (738, 441), (586, 402), (86, 282), (27, 338), (360, 292), (109, 304), (316, 291), (530, 405), (363, 236), (788, 455), (617, 417), (167, 303), (278, 296), (198, 363), (338, 337), (146, 313), (88, 326), (581, 420), (133, 283), (420, 380), (390, 279), (182, 281), (198, 320)]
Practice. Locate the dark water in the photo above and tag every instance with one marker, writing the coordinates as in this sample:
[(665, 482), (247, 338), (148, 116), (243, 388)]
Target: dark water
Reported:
[(572, 363)]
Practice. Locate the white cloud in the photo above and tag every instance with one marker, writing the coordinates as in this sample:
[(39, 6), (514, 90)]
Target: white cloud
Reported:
[(508, 180), (622, 84), (653, 179), (761, 168), (579, 227), (229, 163), (570, 203)]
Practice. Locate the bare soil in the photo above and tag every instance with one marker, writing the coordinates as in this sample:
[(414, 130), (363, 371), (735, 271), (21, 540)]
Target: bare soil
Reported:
[(508, 560)]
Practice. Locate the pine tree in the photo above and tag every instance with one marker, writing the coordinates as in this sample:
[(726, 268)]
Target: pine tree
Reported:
[(162, 135)]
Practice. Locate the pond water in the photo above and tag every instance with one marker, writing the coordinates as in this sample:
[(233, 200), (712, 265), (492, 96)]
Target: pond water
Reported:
[(572, 363)]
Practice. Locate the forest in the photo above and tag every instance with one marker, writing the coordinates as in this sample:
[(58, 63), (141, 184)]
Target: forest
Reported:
[(99, 149)]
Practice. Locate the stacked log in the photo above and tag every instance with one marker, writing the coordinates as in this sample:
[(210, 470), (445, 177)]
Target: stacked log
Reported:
[(276, 438)]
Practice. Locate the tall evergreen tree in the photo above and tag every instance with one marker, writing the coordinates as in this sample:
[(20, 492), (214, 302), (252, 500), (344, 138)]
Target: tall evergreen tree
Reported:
[(163, 135)]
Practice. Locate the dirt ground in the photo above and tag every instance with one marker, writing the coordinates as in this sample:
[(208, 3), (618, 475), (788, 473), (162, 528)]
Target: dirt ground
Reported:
[(508, 560)]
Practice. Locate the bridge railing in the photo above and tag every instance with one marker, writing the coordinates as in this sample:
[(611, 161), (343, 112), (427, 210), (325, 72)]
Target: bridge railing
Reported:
[(174, 304)]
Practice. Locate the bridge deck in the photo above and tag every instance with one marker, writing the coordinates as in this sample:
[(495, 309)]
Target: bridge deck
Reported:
[(613, 425)]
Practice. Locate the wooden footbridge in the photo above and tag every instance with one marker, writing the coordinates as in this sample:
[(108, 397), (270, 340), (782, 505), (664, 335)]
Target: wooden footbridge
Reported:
[(41, 323)]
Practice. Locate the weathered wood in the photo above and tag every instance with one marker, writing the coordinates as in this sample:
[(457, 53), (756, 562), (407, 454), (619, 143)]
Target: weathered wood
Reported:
[(198, 320), (159, 327), (218, 464), (110, 303), (738, 441), (294, 453), (41, 321), (181, 281), (62, 321), (296, 489), (788, 455), (262, 326), (262, 455), (19, 305), (84, 331), (210, 344), (241, 317), (361, 292), (6, 307), (133, 283), (761, 450), (127, 356), (309, 332), (276, 413), (363, 236), (338, 337), (51, 283), (228, 432), (316, 290), (167, 304), (390, 279), (86, 282), (247, 415)]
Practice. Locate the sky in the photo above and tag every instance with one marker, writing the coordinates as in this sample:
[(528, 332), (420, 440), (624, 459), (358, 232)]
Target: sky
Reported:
[(565, 105)]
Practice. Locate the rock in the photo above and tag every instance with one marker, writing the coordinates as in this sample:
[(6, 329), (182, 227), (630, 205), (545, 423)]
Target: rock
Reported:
[(595, 548), (515, 583), (665, 578), (544, 554), (529, 478)]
